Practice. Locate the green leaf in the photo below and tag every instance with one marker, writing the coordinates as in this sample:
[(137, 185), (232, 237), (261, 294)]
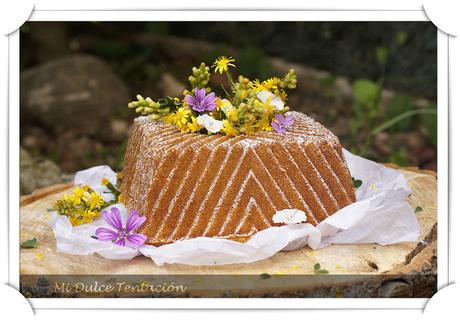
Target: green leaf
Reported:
[(365, 91), (265, 276), (317, 269), (29, 244), (356, 182), (397, 105), (418, 209)]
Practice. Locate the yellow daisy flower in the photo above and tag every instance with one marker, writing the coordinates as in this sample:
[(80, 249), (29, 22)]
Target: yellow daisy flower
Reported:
[(169, 119), (74, 221), (194, 126), (228, 129), (95, 200), (232, 114), (39, 256), (222, 63), (272, 83), (89, 215), (181, 116), (77, 196), (258, 86), (265, 126)]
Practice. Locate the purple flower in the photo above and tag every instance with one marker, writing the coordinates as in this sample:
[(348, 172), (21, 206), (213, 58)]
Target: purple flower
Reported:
[(201, 101), (122, 235), (280, 123)]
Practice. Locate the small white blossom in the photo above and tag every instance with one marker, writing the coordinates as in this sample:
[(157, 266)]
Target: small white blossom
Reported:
[(289, 216), (275, 100), (211, 124)]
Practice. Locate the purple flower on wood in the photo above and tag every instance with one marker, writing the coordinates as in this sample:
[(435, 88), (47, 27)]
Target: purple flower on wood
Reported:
[(280, 123), (201, 101), (122, 235)]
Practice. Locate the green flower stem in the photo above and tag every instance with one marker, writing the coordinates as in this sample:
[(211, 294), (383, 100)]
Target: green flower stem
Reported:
[(232, 83), (402, 116), (388, 124)]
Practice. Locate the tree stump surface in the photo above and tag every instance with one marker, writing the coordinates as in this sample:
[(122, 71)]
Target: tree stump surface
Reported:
[(364, 270)]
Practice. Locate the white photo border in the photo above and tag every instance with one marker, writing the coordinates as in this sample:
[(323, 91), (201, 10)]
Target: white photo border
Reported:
[(232, 15)]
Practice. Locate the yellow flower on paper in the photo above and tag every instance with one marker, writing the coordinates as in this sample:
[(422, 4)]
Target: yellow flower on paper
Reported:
[(294, 267), (95, 200), (39, 255), (89, 215), (77, 196), (279, 273), (78, 192), (312, 253), (222, 63), (373, 186), (74, 221), (338, 267), (66, 198)]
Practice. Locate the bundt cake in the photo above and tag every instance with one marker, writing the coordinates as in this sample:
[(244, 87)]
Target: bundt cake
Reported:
[(191, 184)]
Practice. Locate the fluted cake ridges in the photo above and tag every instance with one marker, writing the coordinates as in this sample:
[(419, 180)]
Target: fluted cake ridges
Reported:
[(191, 184)]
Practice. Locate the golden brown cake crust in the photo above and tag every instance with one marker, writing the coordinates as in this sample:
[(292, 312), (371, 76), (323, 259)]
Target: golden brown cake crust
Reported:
[(190, 184)]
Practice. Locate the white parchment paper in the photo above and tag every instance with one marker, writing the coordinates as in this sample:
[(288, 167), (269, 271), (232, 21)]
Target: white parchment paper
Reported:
[(380, 215)]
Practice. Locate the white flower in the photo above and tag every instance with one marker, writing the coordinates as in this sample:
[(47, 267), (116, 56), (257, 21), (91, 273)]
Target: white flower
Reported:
[(289, 216), (275, 100), (211, 124)]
